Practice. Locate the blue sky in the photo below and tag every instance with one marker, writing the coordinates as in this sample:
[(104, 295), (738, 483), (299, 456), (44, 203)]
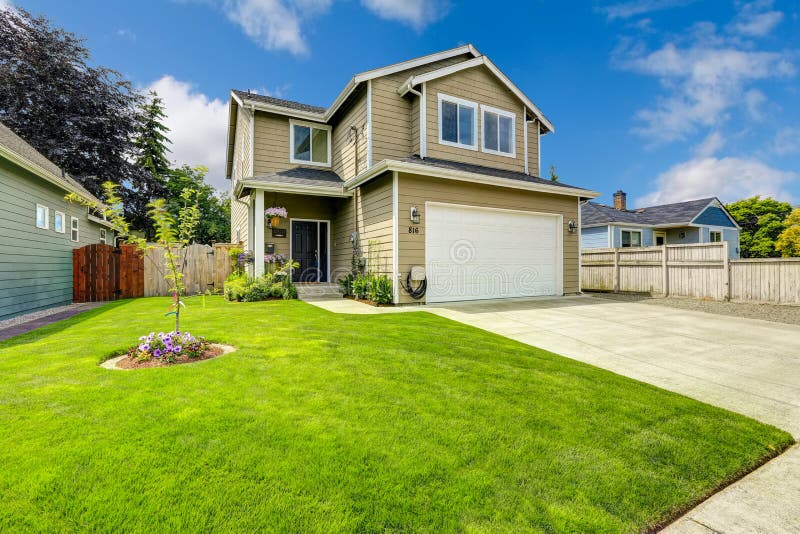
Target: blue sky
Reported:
[(666, 99)]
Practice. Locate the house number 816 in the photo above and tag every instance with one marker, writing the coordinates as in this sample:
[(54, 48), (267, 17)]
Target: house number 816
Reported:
[(413, 229)]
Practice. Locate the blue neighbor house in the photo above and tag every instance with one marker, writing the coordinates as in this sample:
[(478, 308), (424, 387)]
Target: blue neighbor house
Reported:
[(39, 229), (695, 221)]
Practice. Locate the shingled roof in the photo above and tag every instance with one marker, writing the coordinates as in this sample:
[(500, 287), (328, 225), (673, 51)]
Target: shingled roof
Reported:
[(288, 104), (301, 176), (18, 146), (488, 171), (594, 214)]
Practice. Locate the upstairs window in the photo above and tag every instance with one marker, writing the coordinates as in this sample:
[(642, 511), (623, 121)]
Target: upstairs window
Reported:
[(498, 132), (42, 217), (74, 229), (59, 223), (458, 122), (715, 236), (310, 144), (103, 236)]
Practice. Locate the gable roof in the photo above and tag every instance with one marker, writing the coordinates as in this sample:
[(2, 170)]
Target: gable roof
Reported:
[(418, 79), (678, 213), (279, 102), (18, 151)]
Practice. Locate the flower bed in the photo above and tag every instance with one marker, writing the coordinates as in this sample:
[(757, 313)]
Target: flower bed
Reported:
[(168, 347)]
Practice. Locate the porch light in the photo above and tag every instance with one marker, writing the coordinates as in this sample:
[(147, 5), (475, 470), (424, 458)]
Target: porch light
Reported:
[(414, 215), (572, 226)]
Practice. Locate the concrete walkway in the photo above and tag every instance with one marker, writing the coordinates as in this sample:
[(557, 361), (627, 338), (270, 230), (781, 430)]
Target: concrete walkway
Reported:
[(745, 365)]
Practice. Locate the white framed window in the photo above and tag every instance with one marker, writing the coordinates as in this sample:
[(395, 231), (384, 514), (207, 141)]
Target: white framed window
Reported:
[(42, 217), (458, 122), (715, 236), (74, 234), (59, 223), (499, 132), (309, 143), (631, 238), (103, 236)]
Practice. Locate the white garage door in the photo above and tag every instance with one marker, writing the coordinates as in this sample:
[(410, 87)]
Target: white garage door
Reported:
[(478, 253)]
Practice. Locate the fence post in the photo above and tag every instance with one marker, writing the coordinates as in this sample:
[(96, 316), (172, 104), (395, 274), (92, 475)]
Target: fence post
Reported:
[(726, 264), (616, 270), (665, 270)]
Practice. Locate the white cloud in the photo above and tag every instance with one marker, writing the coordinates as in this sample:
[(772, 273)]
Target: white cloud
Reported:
[(416, 13), (787, 141), (5, 4), (275, 24), (756, 19), (703, 80), (125, 33), (626, 10), (710, 145), (197, 127), (727, 178)]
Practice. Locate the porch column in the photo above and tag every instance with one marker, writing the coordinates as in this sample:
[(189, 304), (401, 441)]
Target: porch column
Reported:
[(258, 234)]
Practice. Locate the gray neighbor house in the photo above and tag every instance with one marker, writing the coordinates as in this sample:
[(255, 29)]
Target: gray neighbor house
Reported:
[(704, 220), (39, 229)]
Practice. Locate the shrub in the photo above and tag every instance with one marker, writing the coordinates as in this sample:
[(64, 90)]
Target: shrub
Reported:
[(346, 285), (361, 286), (243, 288), (380, 289), (377, 288)]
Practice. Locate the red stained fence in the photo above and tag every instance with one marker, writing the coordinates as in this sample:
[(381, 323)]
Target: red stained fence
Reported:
[(102, 272)]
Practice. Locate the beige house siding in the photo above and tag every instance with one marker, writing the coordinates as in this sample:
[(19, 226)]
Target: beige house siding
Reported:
[(392, 131), (271, 145), (344, 148), (477, 85), (415, 190), (239, 213), (374, 209), (533, 148)]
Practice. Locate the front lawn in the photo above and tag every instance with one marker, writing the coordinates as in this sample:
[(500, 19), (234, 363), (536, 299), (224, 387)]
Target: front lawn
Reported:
[(323, 422)]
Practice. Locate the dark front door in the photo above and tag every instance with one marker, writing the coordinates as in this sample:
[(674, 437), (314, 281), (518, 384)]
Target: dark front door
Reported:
[(309, 249)]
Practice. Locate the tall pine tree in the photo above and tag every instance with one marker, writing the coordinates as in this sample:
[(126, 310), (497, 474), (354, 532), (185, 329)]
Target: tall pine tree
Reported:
[(151, 138)]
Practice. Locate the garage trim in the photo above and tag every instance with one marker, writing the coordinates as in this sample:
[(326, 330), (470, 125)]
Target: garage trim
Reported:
[(559, 238)]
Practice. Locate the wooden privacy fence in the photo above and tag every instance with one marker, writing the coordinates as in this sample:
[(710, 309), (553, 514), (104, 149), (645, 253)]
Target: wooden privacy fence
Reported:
[(102, 272), (702, 271), (205, 268)]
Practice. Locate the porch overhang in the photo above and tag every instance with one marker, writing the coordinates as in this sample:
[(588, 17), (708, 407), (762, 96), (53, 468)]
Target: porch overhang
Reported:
[(280, 187)]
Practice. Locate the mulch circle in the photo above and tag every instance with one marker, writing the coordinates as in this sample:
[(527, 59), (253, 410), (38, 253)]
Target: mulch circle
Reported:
[(124, 363)]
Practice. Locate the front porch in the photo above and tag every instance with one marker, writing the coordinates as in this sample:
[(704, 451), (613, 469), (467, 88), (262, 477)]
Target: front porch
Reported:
[(313, 234)]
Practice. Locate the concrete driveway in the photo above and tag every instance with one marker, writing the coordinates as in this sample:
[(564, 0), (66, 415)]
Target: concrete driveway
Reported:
[(745, 365)]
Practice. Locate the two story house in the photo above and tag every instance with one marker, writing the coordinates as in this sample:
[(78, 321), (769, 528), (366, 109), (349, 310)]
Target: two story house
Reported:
[(426, 170), (704, 220)]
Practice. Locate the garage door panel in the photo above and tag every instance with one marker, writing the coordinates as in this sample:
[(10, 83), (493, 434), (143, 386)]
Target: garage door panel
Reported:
[(479, 253)]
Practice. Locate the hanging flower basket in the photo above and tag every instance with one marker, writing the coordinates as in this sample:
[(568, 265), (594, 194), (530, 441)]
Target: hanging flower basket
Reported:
[(275, 214)]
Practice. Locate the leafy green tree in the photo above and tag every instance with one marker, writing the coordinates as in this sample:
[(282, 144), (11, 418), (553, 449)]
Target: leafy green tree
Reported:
[(788, 243), (151, 137), (762, 221), (215, 209), (81, 116)]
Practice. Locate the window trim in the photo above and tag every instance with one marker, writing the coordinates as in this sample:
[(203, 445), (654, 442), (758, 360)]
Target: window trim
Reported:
[(76, 228), (630, 231), (103, 236), (460, 102), (63, 222), (501, 113), (319, 126), (721, 236), (46, 217)]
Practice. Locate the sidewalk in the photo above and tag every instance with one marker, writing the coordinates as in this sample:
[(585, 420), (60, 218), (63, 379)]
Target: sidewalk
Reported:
[(31, 321)]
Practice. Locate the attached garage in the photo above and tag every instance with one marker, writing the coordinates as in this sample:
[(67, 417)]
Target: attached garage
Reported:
[(475, 253)]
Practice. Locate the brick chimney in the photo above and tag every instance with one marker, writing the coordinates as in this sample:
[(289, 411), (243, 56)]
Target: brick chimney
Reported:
[(619, 200)]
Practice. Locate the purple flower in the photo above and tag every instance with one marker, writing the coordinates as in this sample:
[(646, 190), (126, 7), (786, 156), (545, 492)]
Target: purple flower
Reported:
[(177, 349), (157, 353), (144, 347)]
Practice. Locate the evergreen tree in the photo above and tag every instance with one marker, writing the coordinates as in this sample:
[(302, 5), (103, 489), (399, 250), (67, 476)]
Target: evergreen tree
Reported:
[(553, 175), (151, 138)]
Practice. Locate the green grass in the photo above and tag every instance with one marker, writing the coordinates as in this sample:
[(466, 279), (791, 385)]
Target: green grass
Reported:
[(323, 422)]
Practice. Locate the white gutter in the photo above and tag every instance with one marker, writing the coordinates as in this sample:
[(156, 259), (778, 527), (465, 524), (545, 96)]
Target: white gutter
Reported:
[(300, 189), (451, 174)]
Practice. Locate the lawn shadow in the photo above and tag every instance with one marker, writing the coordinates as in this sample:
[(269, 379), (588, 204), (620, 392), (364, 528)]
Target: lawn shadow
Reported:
[(523, 304), (60, 324)]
